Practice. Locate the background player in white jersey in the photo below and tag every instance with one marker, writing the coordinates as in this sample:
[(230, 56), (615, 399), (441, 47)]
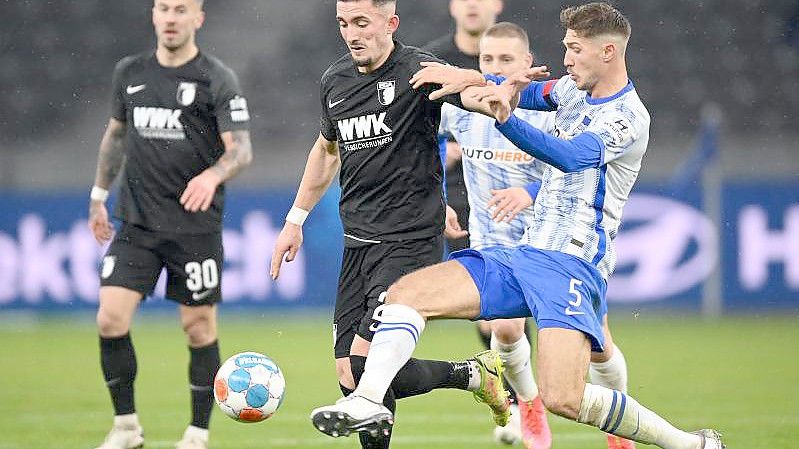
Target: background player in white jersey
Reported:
[(492, 165), (558, 275), (180, 122)]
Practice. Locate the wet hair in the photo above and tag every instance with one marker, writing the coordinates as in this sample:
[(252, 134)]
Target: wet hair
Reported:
[(594, 19), (507, 29)]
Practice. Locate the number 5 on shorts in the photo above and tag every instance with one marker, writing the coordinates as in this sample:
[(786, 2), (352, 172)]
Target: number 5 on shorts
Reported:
[(578, 298)]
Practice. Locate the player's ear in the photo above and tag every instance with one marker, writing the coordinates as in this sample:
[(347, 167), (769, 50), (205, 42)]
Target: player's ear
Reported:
[(393, 24), (609, 50), (499, 6), (200, 20), (528, 59)]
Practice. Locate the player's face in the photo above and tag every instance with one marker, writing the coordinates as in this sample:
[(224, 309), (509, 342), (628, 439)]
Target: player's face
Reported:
[(367, 30), (176, 21), (475, 16), (583, 60), (503, 55)]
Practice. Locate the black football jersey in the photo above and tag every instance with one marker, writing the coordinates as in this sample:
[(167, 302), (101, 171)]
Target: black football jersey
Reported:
[(174, 117), (391, 171), (445, 48)]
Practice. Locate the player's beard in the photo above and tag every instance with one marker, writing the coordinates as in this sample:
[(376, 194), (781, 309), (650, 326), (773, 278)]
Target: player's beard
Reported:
[(176, 44), (364, 61)]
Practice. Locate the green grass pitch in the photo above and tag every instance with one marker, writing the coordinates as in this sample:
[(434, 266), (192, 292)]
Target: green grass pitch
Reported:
[(740, 375)]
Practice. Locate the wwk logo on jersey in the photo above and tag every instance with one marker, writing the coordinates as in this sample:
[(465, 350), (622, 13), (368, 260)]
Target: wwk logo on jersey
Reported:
[(158, 123), (365, 131), (386, 91)]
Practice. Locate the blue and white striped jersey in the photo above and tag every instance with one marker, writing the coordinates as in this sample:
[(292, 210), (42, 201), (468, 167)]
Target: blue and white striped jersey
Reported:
[(490, 161), (579, 213)]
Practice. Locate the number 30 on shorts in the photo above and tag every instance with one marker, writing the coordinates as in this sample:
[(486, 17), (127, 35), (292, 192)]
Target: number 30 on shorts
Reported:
[(203, 275)]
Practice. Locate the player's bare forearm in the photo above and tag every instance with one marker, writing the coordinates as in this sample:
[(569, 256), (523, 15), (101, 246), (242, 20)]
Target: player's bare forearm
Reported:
[(238, 154), (111, 154), (320, 170)]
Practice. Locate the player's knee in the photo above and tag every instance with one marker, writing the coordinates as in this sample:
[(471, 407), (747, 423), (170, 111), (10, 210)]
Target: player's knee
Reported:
[(200, 331), (111, 324), (507, 332), (559, 403), (406, 292)]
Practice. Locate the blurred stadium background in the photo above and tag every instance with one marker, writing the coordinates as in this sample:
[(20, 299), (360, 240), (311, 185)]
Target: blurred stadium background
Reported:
[(706, 296)]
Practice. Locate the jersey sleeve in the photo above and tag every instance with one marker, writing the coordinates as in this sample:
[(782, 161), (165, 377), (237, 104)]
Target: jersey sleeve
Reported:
[(618, 130), (232, 113), (118, 104), (326, 126), (447, 119)]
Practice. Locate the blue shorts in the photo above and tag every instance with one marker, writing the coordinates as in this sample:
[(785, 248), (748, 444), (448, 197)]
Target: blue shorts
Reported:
[(558, 290)]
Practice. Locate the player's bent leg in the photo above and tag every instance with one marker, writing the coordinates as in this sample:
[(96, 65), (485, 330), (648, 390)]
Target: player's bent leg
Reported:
[(609, 369), (510, 342), (344, 373), (118, 361), (200, 326), (562, 360), (444, 290)]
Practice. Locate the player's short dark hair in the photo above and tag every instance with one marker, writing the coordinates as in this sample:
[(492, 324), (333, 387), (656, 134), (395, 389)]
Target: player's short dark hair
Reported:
[(374, 2), (507, 29), (594, 19)]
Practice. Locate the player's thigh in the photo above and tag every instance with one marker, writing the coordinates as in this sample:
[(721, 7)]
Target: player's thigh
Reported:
[(350, 308), (116, 310), (383, 265), (508, 331), (193, 267), (199, 323), (561, 363), (445, 290), (131, 262)]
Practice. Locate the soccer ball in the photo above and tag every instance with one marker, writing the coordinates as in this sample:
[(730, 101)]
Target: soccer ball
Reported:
[(249, 387)]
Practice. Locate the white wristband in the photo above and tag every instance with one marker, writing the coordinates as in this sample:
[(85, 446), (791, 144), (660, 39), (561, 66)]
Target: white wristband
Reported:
[(297, 216), (98, 194)]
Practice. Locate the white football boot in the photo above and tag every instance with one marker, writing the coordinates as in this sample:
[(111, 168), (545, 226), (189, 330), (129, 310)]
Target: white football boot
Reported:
[(124, 437), (193, 438), (353, 414), (512, 433), (710, 439)]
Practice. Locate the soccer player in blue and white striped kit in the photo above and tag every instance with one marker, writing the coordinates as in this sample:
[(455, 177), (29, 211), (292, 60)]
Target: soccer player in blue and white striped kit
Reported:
[(558, 274)]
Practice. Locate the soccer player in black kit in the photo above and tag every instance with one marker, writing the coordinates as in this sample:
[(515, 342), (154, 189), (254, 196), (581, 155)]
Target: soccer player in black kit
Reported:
[(383, 136), (180, 122)]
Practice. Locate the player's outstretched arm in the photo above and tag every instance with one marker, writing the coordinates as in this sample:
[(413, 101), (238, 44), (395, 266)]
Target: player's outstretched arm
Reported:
[(200, 190), (320, 170), (109, 162), (451, 79)]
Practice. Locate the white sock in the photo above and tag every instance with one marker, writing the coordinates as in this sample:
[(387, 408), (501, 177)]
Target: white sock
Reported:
[(615, 412), (518, 369), (611, 374), (196, 432), (129, 421), (392, 345)]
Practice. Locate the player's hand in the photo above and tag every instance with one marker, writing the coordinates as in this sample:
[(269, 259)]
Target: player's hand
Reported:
[(99, 224), (520, 80), (498, 99), (452, 229), (286, 247), (452, 79), (199, 193), (507, 203)]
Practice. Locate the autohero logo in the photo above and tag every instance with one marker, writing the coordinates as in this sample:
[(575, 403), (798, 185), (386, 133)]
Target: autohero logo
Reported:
[(158, 123), (365, 132), (670, 248), (496, 155)]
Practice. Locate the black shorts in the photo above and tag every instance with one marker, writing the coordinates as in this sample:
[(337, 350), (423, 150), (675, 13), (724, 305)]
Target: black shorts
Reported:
[(193, 264), (368, 271)]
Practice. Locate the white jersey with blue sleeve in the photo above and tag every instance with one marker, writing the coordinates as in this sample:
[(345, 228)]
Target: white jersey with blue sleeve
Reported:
[(491, 161), (579, 207)]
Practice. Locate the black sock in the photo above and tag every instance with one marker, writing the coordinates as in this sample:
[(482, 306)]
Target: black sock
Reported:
[(203, 364), (357, 365), (485, 337), (118, 360), (422, 376)]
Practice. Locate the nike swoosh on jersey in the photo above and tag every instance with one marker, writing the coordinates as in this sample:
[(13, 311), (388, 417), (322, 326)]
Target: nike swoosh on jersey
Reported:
[(133, 89), (573, 312), (200, 296), (332, 105)]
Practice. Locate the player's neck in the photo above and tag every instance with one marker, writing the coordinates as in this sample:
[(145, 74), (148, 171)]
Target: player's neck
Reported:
[(467, 43), (610, 85), (177, 57)]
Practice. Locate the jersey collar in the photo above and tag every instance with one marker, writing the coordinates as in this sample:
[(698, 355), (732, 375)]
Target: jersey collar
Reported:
[(595, 101)]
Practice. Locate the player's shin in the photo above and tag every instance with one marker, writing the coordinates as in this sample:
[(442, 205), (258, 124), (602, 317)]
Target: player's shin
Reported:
[(203, 364), (118, 360), (616, 413), (392, 346), (518, 370), (612, 373)]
